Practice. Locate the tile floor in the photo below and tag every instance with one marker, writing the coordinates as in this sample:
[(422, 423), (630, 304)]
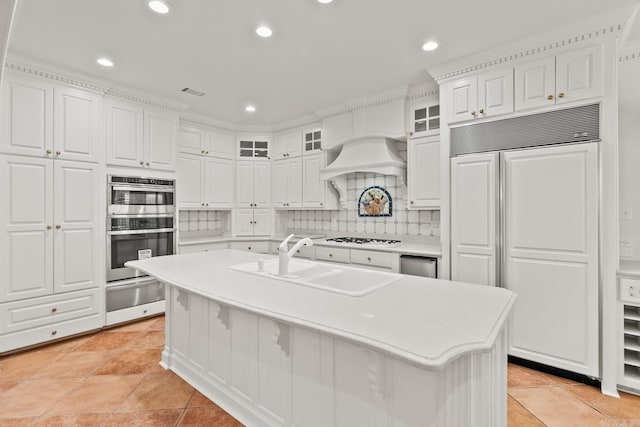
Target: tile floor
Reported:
[(112, 378)]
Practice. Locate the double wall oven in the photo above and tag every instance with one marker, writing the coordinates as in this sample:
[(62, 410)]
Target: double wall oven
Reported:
[(140, 224)]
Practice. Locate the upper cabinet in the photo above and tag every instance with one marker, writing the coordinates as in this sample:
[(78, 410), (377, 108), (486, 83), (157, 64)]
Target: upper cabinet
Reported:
[(256, 148), (568, 77), (253, 184), (424, 119), (45, 120), (204, 182), (212, 144), (487, 94), (312, 141), (423, 173), (138, 137), (287, 144)]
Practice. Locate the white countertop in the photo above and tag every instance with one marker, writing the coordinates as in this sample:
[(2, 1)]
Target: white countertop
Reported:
[(426, 321)]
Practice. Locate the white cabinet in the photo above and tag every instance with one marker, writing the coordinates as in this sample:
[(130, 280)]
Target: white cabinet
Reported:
[(568, 77), (485, 95), (253, 148), (44, 120), (253, 184), (424, 119), (423, 172), (261, 247), (202, 247), (50, 226), (214, 144), (204, 182), (315, 190), (287, 145), (140, 138), (312, 140), (191, 141), (287, 183), (253, 222)]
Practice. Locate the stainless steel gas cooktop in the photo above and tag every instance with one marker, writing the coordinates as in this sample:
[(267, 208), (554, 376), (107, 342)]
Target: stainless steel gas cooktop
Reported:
[(364, 241)]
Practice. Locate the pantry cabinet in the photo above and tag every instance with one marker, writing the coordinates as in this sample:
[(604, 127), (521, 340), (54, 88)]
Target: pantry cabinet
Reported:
[(564, 78), (204, 182), (41, 119), (138, 137), (423, 173), (253, 183), (485, 95), (287, 183)]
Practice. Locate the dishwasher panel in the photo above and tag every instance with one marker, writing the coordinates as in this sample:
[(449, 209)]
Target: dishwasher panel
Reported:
[(419, 266)]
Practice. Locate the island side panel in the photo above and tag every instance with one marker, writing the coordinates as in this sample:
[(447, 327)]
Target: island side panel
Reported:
[(266, 372)]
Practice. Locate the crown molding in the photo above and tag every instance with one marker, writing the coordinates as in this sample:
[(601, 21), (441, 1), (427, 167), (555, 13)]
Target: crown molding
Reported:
[(423, 91), (362, 103), (298, 122), (512, 53), (629, 57)]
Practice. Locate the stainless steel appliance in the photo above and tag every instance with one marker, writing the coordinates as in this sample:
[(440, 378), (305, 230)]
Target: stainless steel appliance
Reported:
[(419, 266), (140, 224)]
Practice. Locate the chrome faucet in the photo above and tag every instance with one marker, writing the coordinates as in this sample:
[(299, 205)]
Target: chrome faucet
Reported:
[(284, 256)]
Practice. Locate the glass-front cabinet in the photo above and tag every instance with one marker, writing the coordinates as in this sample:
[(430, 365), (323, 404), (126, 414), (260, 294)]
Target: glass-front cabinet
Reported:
[(424, 120)]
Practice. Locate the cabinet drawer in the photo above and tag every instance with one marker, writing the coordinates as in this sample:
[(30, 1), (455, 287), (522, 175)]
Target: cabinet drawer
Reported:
[(259, 247), (373, 258), (188, 249), (305, 252), (31, 313), (332, 254), (630, 290)]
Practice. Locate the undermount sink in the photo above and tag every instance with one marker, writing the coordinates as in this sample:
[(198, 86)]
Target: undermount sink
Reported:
[(329, 277)]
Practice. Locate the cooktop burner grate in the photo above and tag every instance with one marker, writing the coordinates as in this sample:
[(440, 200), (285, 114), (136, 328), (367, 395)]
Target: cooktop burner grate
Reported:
[(363, 241)]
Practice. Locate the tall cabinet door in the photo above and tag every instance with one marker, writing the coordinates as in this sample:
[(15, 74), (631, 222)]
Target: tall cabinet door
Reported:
[(280, 183), (160, 140), (190, 181), (26, 218), (27, 117), (474, 218), (124, 134), (244, 184), (313, 186), (77, 234), (76, 130), (423, 172), (551, 255), (262, 183), (294, 182), (218, 176)]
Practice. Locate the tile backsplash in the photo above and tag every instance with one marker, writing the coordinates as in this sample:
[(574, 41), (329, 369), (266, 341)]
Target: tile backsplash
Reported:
[(203, 220), (402, 220)]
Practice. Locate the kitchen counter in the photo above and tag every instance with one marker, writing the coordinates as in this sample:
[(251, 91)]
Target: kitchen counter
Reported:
[(418, 351)]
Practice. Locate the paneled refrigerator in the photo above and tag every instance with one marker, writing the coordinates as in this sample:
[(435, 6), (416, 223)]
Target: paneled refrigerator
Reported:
[(527, 219)]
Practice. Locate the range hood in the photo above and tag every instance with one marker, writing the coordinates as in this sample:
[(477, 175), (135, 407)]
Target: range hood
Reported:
[(366, 154)]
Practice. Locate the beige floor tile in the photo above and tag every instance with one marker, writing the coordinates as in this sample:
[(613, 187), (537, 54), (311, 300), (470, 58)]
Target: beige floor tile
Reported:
[(157, 324), (518, 416), (134, 361), (25, 365), (102, 393), (163, 390), (79, 420), (32, 398), (148, 339), (556, 407), (626, 408), (155, 418), (67, 345), (7, 385), (209, 416), (199, 400), (521, 377), (140, 325), (16, 422), (107, 341), (76, 364)]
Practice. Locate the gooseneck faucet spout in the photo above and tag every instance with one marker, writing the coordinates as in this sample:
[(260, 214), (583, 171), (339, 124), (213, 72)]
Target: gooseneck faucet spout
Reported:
[(284, 255)]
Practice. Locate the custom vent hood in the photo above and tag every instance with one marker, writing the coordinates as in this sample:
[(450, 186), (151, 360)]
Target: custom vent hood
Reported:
[(366, 154)]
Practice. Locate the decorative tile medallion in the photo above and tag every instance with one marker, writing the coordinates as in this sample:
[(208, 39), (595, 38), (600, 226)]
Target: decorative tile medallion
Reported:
[(375, 201)]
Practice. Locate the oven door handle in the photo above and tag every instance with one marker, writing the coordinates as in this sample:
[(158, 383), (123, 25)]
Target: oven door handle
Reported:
[(142, 188), (137, 284), (155, 230)]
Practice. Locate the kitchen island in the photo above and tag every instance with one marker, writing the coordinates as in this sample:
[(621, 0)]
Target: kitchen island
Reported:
[(416, 352)]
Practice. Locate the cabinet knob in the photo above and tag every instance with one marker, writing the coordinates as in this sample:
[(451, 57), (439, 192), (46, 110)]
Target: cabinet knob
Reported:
[(411, 202), (201, 151), (284, 155), (297, 250), (369, 258), (330, 255), (58, 227), (249, 248), (561, 95), (141, 163), (473, 113), (482, 111), (53, 310), (321, 204), (201, 204), (48, 152), (206, 152), (147, 163), (54, 332), (207, 204), (49, 227), (58, 153), (550, 97)]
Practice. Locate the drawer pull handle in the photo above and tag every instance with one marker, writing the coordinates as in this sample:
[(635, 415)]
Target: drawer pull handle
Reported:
[(249, 248), (53, 310), (54, 332), (369, 258), (550, 97), (331, 255)]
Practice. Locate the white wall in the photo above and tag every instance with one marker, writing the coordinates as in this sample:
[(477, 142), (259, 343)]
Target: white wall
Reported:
[(629, 166)]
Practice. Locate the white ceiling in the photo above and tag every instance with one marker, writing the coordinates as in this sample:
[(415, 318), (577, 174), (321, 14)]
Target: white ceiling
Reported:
[(319, 55)]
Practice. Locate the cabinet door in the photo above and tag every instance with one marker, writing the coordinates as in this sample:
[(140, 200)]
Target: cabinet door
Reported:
[(261, 222), (244, 222), (474, 205), (262, 184), (160, 140), (280, 146), (423, 173), (579, 74), (77, 240), (124, 134), (76, 129), (464, 99), (244, 184), (424, 120), (220, 145), (313, 187), (190, 181), (191, 141), (551, 255), (218, 185), (495, 93), (26, 218), (294, 182), (27, 117), (535, 84), (280, 183)]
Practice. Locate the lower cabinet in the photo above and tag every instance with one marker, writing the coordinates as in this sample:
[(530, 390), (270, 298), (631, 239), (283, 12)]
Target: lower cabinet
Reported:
[(202, 247), (629, 354), (253, 222), (261, 247)]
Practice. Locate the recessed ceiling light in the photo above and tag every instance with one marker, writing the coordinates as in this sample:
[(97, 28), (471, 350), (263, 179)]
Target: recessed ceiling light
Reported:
[(250, 108), (430, 45), (158, 6), (325, 1), (105, 62), (264, 31)]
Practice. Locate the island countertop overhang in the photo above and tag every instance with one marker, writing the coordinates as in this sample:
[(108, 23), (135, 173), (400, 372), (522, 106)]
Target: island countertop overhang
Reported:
[(428, 322)]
